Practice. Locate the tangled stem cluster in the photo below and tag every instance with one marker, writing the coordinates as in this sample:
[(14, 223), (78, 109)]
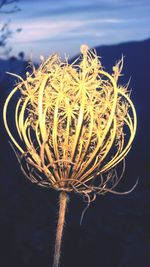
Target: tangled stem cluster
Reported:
[(74, 124)]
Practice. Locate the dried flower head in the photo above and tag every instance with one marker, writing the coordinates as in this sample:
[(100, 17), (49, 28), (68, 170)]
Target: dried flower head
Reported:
[(74, 124)]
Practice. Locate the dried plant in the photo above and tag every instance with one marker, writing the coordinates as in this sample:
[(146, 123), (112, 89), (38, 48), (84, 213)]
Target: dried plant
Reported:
[(74, 125)]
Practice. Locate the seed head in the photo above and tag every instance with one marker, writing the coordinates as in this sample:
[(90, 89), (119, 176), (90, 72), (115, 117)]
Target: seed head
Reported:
[(74, 124)]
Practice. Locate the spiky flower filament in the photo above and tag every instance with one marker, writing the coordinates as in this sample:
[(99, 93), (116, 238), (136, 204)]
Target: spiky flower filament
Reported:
[(71, 122)]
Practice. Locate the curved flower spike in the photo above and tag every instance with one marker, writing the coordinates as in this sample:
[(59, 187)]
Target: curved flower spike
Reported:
[(74, 124)]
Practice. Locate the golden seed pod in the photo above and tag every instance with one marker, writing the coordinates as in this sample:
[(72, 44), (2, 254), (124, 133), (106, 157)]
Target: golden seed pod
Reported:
[(74, 124)]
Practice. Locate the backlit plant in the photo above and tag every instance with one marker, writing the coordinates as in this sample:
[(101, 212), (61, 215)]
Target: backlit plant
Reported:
[(74, 125)]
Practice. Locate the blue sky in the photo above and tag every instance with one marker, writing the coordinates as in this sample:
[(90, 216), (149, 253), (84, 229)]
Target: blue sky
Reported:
[(62, 25)]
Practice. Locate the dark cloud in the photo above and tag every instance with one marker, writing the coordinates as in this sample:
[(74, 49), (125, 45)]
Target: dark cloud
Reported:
[(61, 10)]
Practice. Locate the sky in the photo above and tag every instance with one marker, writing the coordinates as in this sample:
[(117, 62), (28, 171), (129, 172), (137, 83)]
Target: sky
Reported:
[(61, 26)]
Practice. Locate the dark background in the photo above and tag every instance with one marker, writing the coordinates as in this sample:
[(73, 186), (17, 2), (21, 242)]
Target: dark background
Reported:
[(115, 230)]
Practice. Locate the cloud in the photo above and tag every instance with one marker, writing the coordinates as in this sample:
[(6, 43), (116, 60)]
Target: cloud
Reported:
[(41, 29), (49, 23)]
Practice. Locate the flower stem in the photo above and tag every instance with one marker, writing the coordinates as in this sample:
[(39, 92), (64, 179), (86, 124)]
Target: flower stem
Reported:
[(60, 225)]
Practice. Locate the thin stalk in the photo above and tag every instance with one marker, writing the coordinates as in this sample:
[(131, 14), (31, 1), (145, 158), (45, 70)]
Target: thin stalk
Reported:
[(60, 225)]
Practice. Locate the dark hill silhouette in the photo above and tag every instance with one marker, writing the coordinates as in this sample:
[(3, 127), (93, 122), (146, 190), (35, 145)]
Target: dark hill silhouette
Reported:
[(115, 230)]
